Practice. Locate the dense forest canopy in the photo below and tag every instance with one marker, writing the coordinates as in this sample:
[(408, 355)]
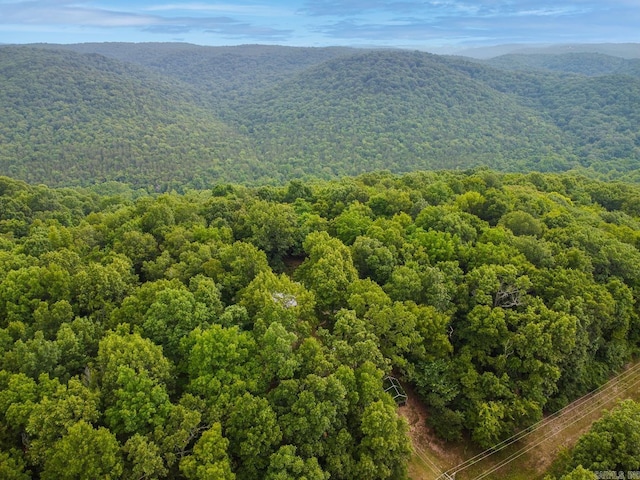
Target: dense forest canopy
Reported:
[(211, 258), (175, 116), (245, 332)]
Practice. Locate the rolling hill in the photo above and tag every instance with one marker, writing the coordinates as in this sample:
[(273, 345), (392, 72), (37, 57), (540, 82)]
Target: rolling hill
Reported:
[(225, 73), (162, 116), (584, 63), (78, 119), (400, 111)]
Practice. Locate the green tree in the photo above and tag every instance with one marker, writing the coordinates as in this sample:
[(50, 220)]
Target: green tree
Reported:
[(253, 433), (143, 459), (234, 267), (172, 316), (59, 410), (286, 465), (579, 473), (354, 221), (222, 364), (613, 442), (384, 449), (12, 466), (99, 288), (277, 356), (209, 458), (522, 223), (273, 228), (276, 298), (84, 453), (373, 259), (123, 355), (137, 246), (139, 404), (327, 271)]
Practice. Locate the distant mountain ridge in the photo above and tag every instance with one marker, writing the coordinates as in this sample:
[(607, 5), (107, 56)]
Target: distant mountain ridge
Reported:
[(172, 115), (622, 50), (583, 63), (225, 72)]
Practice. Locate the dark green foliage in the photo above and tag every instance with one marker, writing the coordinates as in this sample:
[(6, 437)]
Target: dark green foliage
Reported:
[(173, 116), (71, 119)]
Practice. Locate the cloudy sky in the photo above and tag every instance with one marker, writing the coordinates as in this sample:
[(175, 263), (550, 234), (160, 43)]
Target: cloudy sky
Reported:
[(417, 24)]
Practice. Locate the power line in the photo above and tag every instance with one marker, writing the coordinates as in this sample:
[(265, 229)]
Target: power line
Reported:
[(423, 456), (542, 423), (522, 451)]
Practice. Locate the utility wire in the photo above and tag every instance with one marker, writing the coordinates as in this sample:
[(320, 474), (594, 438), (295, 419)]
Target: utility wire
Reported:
[(423, 456), (540, 424), (522, 451)]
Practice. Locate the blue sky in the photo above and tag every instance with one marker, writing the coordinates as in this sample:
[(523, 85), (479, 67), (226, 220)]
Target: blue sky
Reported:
[(417, 24)]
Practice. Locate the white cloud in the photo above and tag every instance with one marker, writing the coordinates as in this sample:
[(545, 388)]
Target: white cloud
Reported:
[(226, 8), (65, 13)]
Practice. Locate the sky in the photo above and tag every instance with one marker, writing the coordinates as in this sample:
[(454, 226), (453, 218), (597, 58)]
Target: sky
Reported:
[(429, 24)]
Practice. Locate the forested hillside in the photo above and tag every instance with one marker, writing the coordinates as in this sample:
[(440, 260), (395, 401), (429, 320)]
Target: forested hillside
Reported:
[(401, 111), (589, 64), (163, 116), (70, 119), (245, 333), (226, 73)]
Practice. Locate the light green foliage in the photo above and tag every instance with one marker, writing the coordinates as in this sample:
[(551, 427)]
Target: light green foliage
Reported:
[(276, 353), (143, 459), (579, 473), (182, 426), (316, 409), (138, 246), (18, 398), (327, 271), (234, 267), (152, 331), (121, 349), (209, 458), (99, 288), (253, 433), (286, 465), (353, 222), (384, 442), (522, 223), (613, 442), (270, 298), (57, 412), (23, 290), (353, 343), (12, 467), (222, 363), (138, 405), (171, 317), (84, 452)]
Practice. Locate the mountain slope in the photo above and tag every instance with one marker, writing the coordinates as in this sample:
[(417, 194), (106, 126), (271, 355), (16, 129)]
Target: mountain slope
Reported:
[(174, 115), (77, 119), (599, 116), (623, 50), (400, 111), (224, 73), (590, 64)]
